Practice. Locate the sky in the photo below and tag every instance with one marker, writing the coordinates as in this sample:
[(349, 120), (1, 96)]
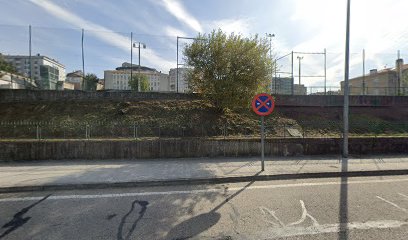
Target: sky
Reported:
[(307, 26)]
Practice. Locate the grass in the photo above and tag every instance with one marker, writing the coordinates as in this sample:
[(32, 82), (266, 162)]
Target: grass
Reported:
[(187, 118)]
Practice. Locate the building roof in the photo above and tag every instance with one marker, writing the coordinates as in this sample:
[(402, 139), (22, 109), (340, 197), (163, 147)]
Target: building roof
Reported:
[(75, 74), (128, 66), (35, 56)]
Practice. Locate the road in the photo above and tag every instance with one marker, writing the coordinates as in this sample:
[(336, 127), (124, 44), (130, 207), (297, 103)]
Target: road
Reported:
[(353, 208)]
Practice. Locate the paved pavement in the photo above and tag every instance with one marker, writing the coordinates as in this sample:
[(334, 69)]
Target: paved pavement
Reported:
[(43, 175)]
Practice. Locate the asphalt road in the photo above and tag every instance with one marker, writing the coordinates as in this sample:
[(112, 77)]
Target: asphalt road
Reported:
[(359, 208)]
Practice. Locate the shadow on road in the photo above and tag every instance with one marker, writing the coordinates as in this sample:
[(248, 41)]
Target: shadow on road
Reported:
[(343, 208), (19, 219), (198, 224), (143, 205)]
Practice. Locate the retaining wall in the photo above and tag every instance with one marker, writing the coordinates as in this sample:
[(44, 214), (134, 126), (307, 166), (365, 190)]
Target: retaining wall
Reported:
[(83, 149), (22, 95)]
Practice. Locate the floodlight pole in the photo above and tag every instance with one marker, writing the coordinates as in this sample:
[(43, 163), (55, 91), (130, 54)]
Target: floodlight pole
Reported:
[(346, 86)]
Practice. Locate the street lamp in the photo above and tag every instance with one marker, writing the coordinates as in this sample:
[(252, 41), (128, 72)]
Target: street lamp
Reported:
[(136, 45), (300, 65), (270, 36)]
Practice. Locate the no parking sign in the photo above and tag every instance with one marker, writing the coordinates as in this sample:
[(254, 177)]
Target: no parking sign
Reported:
[(263, 105)]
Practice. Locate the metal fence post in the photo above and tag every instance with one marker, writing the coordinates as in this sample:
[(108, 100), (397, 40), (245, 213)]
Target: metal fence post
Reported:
[(38, 132), (225, 130), (134, 130), (86, 131)]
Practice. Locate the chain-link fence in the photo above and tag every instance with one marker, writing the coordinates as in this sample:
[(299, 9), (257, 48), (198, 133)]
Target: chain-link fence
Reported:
[(129, 130)]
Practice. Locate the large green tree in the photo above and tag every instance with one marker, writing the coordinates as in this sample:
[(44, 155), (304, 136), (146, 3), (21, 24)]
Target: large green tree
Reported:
[(139, 79), (90, 82), (5, 66), (228, 69)]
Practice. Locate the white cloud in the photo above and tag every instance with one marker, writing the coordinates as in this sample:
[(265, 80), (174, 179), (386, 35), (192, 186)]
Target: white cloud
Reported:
[(171, 31), (175, 8), (239, 26), (102, 33), (377, 26)]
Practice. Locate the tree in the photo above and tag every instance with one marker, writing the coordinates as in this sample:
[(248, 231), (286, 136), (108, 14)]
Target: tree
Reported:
[(139, 78), (5, 66), (90, 82), (228, 70)]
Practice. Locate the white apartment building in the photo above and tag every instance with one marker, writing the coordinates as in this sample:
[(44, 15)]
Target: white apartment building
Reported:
[(46, 72), (75, 78), (182, 80), (119, 79)]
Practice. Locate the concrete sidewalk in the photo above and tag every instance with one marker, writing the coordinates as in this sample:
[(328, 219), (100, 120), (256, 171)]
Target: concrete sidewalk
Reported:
[(86, 174)]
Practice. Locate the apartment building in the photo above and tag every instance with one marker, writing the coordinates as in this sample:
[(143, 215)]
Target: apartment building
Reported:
[(75, 78), (46, 72), (386, 82), (119, 79), (182, 83)]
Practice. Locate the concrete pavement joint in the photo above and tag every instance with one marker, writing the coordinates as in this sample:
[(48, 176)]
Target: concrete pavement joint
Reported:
[(201, 181)]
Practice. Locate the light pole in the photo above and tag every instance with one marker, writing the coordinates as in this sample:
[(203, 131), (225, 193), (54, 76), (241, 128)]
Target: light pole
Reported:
[(136, 45), (270, 36), (300, 67), (346, 86)]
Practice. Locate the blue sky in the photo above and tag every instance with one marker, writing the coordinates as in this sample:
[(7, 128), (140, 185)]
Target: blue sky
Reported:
[(379, 27)]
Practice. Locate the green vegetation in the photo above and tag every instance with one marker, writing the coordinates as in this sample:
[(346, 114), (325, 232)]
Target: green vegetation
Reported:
[(5, 66), (139, 78), (90, 82), (228, 70), (187, 118)]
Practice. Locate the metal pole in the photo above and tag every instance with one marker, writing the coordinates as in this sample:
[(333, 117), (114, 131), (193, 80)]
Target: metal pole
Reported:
[(131, 55), (293, 79), (364, 72), (300, 66), (325, 71), (177, 77), (262, 143), (83, 60), (399, 73), (134, 130), (270, 55), (274, 82), (29, 49), (138, 79), (346, 86)]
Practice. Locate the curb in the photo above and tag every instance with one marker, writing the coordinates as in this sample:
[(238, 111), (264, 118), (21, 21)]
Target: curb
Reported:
[(200, 181)]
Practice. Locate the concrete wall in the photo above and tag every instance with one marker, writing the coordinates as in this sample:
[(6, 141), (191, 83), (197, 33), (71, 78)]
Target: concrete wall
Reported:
[(337, 101), (31, 150), (7, 96)]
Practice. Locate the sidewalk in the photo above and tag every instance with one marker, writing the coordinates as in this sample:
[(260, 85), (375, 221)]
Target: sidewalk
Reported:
[(86, 174)]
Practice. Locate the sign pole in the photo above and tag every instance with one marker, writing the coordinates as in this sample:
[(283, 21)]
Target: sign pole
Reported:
[(262, 143), (263, 105)]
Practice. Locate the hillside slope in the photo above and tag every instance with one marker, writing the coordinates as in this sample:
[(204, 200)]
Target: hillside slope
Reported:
[(198, 114)]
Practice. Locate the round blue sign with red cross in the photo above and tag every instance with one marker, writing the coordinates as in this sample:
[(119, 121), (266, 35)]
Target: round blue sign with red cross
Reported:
[(263, 104)]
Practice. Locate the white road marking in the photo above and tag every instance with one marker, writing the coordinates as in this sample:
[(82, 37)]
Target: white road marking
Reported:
[(272, 213), (291, 231), (118, 195), (303, 217), (305, 214), (393, 204), (405, 196)]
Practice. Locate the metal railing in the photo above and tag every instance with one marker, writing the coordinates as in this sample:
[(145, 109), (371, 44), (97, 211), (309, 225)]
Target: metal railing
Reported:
[(133, 130)]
